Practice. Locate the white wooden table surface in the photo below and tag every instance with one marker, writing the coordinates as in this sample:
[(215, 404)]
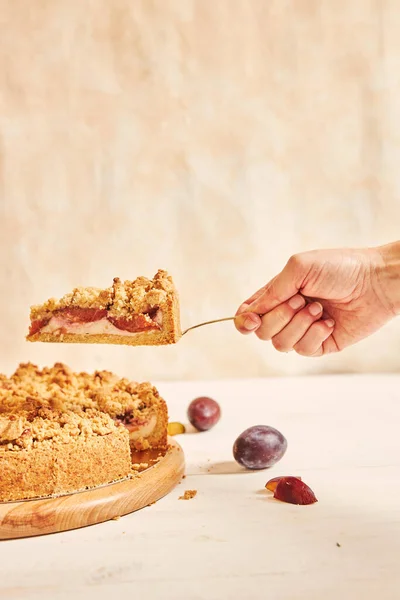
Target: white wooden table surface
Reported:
[(232, 541)]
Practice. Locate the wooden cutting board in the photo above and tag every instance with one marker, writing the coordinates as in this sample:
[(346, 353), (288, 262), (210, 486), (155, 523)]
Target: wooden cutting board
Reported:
[(51, 515)]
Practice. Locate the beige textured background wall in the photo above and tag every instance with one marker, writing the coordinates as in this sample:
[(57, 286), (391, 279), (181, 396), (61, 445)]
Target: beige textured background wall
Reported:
[(210, 137)]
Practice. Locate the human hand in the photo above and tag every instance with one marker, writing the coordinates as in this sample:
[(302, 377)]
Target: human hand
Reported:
[(325, 300)]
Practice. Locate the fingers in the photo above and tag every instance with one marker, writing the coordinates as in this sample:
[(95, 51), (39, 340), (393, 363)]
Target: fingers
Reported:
[(251, 321), (290, 335), (277, 319), (272, 323), (277, 291), (247, 322), (312, 342), (292, 326)]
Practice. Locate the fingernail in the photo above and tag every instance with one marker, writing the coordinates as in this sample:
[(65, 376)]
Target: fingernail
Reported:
[(315, 308), (296, 302), (249, 324), (330, 322)]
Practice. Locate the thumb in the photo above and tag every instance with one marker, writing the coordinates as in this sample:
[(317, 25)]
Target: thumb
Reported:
[(282, 287)]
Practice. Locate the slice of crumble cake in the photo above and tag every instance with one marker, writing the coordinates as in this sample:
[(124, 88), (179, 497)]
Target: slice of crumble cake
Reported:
[(139, 312)]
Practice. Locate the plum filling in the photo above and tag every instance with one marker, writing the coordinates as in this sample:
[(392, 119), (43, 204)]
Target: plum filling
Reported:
[(74, 314), (137, 427), (94, 321), (128, 420), (37, 325), (135, 324)]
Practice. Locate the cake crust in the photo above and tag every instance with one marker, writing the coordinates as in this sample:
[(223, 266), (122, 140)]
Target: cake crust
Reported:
[(64, 468)]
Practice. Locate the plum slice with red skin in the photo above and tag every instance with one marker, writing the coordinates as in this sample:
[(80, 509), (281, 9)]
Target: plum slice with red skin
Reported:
[(272, 483), (70, 314), (76, 314), (135, 324), (37, 325), (294, 491)]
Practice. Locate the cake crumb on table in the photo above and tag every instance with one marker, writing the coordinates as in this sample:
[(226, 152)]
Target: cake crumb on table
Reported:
[(188, 495), (117, 518)]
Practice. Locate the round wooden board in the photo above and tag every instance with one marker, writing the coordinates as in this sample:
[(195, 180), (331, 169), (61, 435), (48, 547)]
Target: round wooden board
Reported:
[(51, 515)]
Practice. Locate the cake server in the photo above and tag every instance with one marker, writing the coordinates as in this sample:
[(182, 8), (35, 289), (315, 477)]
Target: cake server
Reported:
[(209, 323)]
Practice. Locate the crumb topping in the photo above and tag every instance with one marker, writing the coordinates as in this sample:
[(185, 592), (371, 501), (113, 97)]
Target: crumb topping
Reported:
[(123, 298), (53, 404)]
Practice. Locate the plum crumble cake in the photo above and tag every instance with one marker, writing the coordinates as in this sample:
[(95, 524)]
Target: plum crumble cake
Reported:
[(62, 431), (139, 312)]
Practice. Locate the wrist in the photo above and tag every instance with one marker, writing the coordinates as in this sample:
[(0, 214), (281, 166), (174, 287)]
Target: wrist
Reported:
[(389, 274)]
